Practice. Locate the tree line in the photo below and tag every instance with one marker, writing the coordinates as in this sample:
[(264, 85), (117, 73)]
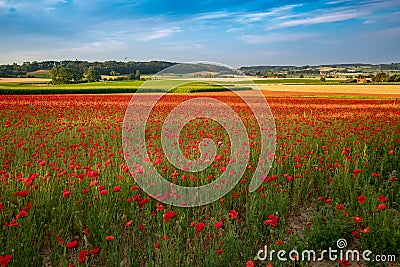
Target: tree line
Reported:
[(64, 75), (113, 68)]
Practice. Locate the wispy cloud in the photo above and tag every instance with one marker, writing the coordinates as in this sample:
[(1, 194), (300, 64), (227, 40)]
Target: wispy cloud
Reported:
[(181, 46), (260, 16), (326, 18), (276, 37), (389, 33), (158, 34), (335, 2), (213, 15)]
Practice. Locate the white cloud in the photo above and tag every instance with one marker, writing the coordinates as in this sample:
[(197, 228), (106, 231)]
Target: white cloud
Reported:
[(213, 15), (335, 2), (369, 21), (260, 16), (181, 46), (325, 18), (392, 32), (276, 37), (158, 34)]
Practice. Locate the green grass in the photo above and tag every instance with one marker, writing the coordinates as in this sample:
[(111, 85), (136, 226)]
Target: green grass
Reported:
[(42, 75), (113, 87), (196, 87)]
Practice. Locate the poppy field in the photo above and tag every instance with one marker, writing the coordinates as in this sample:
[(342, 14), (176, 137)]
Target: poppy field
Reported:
[(67, 196)]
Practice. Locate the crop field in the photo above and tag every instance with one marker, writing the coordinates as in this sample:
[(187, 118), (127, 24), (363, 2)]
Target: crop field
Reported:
[(67, 197), (34, 86)]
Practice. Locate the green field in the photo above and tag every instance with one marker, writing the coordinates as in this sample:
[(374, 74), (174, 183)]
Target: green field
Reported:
[(159, 86), (113, 87)]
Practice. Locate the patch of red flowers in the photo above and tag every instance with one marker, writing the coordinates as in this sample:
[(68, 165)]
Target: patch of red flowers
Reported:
[(5, 260), (168, 215), (71, 244), (233, 214), (273, 220), (199, 226)]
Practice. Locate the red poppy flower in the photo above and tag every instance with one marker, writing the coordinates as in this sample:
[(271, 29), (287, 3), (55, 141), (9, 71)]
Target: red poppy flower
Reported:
[(12, 223), (273, 220), (382, 199), (218, 224), (117, 188), (110, 238), (1, 206), (279, 242), (22, 214), (157, 245), (339, 207), (250, 263), (129, 223), (95, 251), (23, 193), (233, 214), (82, 256), (218, 157), (357, 219), (361, 199), (344, 263), (27, 207), (5, 260), (366, 230), (141, 227), (66, 193), (199, 226), (103, 192), (168, 215), (71, 244), (381, 207), (218, 251)]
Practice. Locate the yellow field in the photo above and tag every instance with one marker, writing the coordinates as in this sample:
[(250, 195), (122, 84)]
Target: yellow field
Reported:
[(23, 80), (346, 89)]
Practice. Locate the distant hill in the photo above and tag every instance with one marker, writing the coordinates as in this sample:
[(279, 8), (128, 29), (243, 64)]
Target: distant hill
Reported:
[(325, 70)]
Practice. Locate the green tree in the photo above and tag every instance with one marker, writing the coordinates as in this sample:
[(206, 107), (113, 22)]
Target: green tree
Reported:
[(394, 78), (380, 77), (137, 75), (92, 75), (61, 75)]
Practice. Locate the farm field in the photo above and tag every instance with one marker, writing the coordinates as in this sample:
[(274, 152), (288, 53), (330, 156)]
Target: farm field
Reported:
[(270, 87), (67, 196)]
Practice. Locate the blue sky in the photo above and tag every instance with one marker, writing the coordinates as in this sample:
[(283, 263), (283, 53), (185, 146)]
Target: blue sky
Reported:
[(236, 33)]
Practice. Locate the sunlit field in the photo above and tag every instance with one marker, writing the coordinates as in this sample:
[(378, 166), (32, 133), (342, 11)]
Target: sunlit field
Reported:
[(67, 196)]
